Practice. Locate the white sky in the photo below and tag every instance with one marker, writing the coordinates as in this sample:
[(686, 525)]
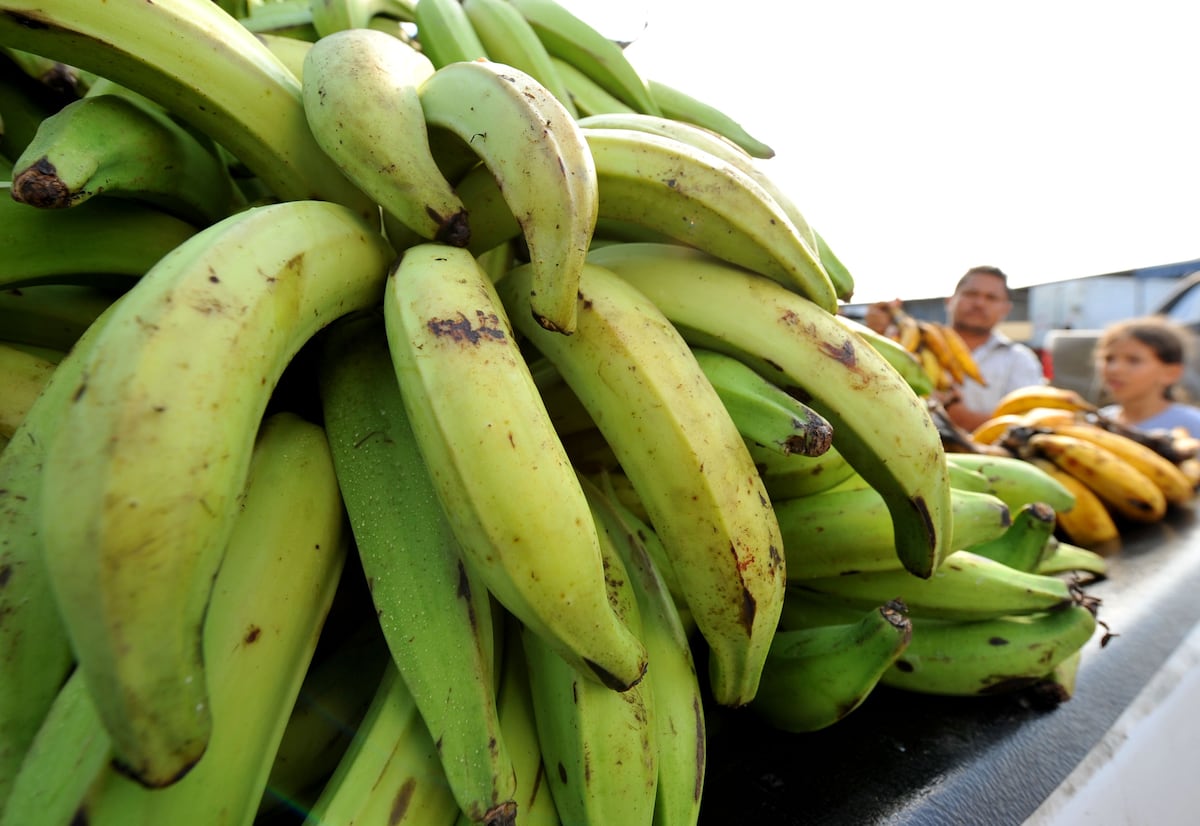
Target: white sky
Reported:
[(1052, 138)]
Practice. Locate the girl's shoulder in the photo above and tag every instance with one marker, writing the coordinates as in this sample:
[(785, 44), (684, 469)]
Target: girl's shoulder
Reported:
[(1178, 414)]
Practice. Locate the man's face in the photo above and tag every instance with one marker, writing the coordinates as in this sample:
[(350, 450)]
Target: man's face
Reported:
[(978, 305)]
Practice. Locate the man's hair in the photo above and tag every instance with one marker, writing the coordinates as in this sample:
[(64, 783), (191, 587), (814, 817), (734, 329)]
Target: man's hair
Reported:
[(983, 270)]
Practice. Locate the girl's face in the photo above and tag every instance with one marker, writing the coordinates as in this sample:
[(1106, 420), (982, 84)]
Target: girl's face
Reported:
[(1131, 371)]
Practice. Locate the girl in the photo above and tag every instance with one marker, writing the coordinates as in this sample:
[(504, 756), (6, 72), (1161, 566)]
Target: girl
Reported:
[(1140, 361)]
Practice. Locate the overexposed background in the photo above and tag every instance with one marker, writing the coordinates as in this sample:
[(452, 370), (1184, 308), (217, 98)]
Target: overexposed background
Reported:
[(1053, 138)]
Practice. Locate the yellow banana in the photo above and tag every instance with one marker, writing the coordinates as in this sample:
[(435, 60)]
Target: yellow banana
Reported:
[(962, 354), (1122, 487), (990, 431), (1175, 485), (933, 338), (1024, 399), (1087, 522)]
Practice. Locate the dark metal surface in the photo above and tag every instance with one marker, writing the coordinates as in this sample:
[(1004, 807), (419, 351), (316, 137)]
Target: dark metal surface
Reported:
[(905, 758)]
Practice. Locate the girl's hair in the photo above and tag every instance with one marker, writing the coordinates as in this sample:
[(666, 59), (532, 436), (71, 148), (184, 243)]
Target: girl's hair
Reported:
[(1170, 342)]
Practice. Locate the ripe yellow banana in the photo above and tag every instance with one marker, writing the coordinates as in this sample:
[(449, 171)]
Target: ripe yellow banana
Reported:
[(1087, 522), (991, 431), (1124, 488), (961, 353), (908, 331), (1024, 399), (1176, 487), (933, 339)]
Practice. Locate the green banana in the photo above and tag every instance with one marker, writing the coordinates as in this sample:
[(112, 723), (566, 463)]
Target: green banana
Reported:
[(624, 500), (541, 164), (331, 704), (1026, 541), (600, 746), (763, 412), (69, 751), (22, 375), (535, 806), (586, 95), (678, 446), (1017, 481), (200, 64), (842, 278), (189, 359), (509, 38), (989, 656), (680, 105), (103, 242), (498, 465), (24, 104), (283, 18), (965, 587), (435, 612), (269, 603), (849, 531), (291, 51), (34, 646), (1063, 557), (795, 475), (964, 478), (816, 676), (391, 772), (721, 147), (675, 689), (51, 315), (446, 34), (574, 41), (702, 201), (329, 16), (879, 425), (115, 145), (361, 102)]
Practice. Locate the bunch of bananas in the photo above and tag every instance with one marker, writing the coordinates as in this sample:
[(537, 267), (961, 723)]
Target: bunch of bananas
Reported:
[(941, 351), (1120, 476), (414, 415)]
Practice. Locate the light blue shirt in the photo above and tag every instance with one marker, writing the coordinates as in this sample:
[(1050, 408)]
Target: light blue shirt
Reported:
[(1177, 415)]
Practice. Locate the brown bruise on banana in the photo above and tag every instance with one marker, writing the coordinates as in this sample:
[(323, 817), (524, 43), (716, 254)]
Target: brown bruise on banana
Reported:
[(402, 800), (487, 327)]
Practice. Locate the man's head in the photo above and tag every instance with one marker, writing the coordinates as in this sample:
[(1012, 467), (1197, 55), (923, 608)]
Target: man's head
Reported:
[(980, 302)]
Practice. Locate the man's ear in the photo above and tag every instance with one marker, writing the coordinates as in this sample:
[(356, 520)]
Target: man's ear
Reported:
[(1173, 373)]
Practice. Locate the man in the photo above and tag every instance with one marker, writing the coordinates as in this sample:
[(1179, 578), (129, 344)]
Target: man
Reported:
[(981, 301)]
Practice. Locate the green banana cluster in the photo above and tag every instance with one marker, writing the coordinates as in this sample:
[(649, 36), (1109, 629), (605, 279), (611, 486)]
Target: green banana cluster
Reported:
[(414, 414)]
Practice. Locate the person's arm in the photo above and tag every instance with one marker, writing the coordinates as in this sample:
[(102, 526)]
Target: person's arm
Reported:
[(960, 414)]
